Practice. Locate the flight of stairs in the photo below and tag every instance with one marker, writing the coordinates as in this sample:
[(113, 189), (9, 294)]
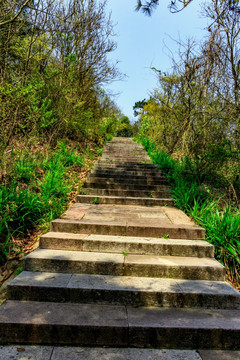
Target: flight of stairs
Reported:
[(123, 268)]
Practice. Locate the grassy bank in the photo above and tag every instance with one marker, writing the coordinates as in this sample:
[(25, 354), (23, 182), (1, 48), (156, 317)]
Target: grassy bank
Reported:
[(219, 215), (36, 186)]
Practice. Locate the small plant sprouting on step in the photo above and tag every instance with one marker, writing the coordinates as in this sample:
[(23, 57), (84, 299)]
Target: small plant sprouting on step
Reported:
[(74, 231), (124, 253), (19, 270), (166, 236), (100, 152), (150, 195), (95, 201), (164, 204)]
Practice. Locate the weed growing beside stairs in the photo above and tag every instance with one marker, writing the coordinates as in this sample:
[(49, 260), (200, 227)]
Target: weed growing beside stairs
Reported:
[(36, 189), (219, 217)]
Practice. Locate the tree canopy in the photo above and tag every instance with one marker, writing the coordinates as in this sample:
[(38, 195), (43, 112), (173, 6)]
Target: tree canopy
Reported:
[(147, 7)]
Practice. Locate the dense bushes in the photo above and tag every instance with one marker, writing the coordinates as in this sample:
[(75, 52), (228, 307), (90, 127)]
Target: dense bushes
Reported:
[(219, 215)]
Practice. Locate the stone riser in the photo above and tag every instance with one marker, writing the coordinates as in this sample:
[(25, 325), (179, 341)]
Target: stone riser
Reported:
[(130, 177), (118, 153), (127, 167), (131, 193), (124, 180), (120, 265), (85, 227), (129, 186), (121, 173), (130, 245), (128, 157), (90, 289), (91, 199), (102, 325)]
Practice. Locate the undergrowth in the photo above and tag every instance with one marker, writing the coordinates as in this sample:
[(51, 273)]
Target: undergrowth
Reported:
[(219, 217), (36, 188)]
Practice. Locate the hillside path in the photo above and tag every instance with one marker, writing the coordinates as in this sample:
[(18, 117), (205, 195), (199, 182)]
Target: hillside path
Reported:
[(122, 274)]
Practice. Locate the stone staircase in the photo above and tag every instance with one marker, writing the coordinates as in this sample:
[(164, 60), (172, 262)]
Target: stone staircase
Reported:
[(123, 268)]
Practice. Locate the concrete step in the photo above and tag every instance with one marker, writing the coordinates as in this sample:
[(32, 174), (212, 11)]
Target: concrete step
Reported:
[(92, 353), (122, 290), (127, 162), (128, 186), (121, 152), (125, 175), (103, 227), (126, 244), (121, 200), (110, 325), (126, 193), (131, 167), (130, 173), (125, 265), (124, 180)]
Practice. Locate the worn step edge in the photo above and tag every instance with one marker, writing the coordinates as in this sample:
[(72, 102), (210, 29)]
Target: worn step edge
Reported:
[(130, 175), (127, 186), (114, 228), (127, 170), (125, 180), (118, 244), (129, 193), (122, 290), (110, 325), (138, 166), (120, 265), (90, 199)]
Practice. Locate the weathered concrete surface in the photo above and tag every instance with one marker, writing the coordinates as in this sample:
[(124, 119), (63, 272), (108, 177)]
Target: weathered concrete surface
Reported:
[(75, 262), (123, 354), (122, 290), (55, 323), (184, 328), (125, 192), (118, 264), (128, 244), (133, 221), (104, 225), (121, 200), (111, 325), (219, 355), (22, 352)]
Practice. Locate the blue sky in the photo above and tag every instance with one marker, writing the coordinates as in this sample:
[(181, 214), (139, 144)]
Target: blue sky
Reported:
[(143, 42)]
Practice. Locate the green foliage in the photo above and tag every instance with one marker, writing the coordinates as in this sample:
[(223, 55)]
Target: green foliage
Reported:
[(124, 128), (222, 222), (223, 231), (36, 191)]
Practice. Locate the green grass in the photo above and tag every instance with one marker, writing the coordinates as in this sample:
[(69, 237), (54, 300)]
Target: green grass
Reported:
[(36, 190), (221, 220)]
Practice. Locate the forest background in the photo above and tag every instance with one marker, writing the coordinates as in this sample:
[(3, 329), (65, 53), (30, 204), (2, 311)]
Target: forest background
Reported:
[(190, 126), (55, 116), (55, 113)]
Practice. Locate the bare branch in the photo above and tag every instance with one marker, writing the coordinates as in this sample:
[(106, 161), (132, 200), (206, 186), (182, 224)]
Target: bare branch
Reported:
[(17, 15)]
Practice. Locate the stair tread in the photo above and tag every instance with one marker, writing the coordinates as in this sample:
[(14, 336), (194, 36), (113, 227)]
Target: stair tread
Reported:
[(125, 197), (128, 239), (33, 312), (152, 260), (143, 224), (122, 283)]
